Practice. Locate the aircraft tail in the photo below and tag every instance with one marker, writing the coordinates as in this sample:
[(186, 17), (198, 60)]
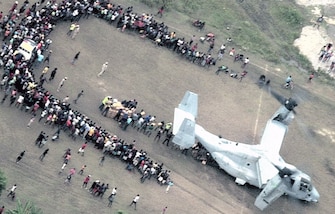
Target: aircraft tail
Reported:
[(184, 120)]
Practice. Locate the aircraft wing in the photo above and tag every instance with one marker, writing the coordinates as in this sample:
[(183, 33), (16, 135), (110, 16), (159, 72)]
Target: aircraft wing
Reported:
[(275, 188), (273, 136)]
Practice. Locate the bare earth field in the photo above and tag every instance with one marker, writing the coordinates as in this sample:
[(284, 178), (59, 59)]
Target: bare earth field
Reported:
[(158, 79)]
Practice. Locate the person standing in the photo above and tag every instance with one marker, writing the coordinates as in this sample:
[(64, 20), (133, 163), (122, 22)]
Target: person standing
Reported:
[(66, 99), (53, 74), (86, 180), (32, 119), (103, 69), (48, 57), (75, 58), (159, 134), (44, 154), (170, 184), (45, 70), (72, 171), (71, 29), (135, 200), (82, 149), (311, 77), (168, 138), (164, 210), (78, 96), (61, 83), (75, 32), (2, 209)]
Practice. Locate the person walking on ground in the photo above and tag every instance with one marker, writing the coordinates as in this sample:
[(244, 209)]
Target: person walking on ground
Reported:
[(135, 200), (102, 160), (75, 32), (45, 70), (53, 74), (61, 83), (318, 21), (2, 209), (44, 154), (112, 196), (12, 190), (82, 149), (86, 180), (245, 62), (160, 11), (81, 171), (78, 96), (62, 168), (288, 82), (71, 29), (164, 210), (103, 69), (19, 158), (75, 58)]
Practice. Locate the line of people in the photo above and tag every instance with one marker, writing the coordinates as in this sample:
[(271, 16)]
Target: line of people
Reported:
[(20, 83)]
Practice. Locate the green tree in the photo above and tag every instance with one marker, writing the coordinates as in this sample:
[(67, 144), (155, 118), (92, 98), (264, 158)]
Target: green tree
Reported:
[(27, 208), (3, 181)]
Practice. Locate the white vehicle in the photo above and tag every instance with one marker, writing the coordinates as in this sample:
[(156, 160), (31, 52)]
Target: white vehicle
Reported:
[(259, 165), (26, 49)]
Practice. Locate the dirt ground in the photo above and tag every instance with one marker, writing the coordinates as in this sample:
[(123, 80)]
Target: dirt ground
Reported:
[(158, 79), (312, 39)]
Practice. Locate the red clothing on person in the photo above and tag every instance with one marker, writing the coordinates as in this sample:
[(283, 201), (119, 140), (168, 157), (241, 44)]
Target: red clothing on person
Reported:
[(72, 171), (87, 179)]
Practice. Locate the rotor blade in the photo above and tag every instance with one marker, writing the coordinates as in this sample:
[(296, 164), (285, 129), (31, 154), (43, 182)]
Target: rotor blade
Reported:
[(281, 99)]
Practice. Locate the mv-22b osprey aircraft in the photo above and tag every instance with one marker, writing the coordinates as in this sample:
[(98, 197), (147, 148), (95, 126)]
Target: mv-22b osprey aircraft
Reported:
[(259, 165)]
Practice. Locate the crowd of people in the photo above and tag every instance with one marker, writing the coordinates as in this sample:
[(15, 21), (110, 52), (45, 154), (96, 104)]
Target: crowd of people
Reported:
[(147, 26), (22, 86)]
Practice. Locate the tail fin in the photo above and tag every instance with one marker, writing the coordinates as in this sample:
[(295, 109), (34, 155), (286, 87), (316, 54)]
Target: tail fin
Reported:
[(189, 103), (184, 120), (185, 135)]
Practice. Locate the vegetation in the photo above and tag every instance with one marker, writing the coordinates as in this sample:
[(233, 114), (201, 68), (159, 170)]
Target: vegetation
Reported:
[(267, 28), (3, 181), (27, 208)]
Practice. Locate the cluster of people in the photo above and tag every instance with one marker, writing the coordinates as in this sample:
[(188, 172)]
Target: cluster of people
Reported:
[(326, 52), (19, 83), (148, 27), (326, 55)]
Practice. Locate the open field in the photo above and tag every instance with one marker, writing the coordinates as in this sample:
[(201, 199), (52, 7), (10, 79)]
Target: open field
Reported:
[(158, 79)]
